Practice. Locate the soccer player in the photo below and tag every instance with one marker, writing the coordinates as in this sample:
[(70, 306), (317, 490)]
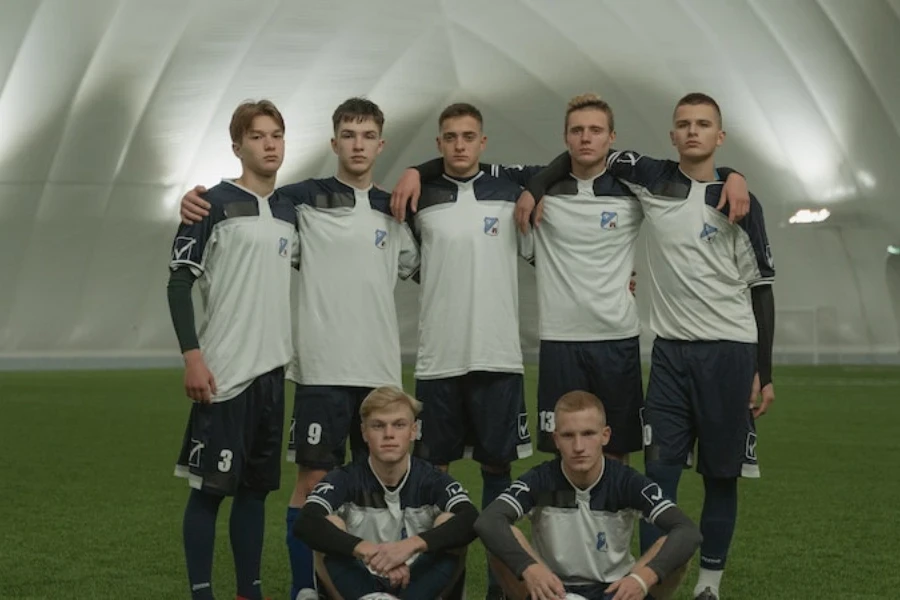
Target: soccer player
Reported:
[(582, 509), (241, 253), (391, 523), (469, 374), (584, 256), (346, 332), (713, 350)]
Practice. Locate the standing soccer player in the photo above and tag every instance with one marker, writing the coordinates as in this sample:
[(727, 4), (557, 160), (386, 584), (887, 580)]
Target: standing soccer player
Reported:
[(713, 351), (347, 336), (469, 374), (241, 253)]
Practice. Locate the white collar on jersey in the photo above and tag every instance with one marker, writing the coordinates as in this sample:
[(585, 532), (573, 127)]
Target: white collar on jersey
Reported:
[(402, 481), (587, 490), (468, 181), (591, 180), (353, 187), (249, 191)]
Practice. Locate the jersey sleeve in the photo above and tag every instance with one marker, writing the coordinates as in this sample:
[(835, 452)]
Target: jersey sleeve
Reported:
[(191, 243), (756, 264), (646, 496), (332, 492), (523, 492), (634, 167), (518, 174), (445, 492), (409, 258)]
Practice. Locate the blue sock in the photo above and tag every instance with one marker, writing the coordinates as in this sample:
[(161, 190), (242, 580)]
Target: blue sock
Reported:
[(199, 531), (493, 484), (247, 526), (300, 555), (717, 521), (667, 476)]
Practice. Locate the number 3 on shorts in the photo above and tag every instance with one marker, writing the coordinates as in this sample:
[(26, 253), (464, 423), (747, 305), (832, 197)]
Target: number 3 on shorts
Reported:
[(225, 457)]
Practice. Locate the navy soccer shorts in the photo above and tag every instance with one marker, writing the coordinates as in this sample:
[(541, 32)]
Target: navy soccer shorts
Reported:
[(480, 415), (700, 392), (324, 417), (611, 370), (236, 443)]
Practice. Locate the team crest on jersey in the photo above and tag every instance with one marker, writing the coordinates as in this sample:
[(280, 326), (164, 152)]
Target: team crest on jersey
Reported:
[(653, 493), (709, 233), (455, 489), (282, 246), (323, 487), (518, 487), (523, 426), (609, 220), (291, 438), (196, 452), (380, 238), (601, 541), (182, 249), (491, 225)]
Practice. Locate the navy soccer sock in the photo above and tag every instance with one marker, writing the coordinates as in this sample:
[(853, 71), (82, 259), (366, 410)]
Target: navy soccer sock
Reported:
[(667, 476), (199, 532), (717, 521), (493, 484), (246, 527), (300, 556)]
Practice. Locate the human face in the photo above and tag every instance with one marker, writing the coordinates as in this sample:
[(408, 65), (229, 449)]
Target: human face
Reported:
[(262, 147), (697, 132), (461, 143), (356, 144), (588, 138), (580, 437), (389, 432)]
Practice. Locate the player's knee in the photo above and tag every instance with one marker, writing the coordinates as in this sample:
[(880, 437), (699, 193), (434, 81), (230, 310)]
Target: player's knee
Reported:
[(307, 479), (337, 522), (502, 469)]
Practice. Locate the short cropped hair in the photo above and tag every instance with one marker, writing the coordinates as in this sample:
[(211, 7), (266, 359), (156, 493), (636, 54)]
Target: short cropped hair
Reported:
[(385, 396), (697, 99), (460, 109), (242, 118), (589, 100), (357, 109), (579, 400)]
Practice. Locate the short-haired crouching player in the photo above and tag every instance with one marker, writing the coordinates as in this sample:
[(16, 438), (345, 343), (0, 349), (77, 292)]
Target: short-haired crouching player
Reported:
[(392, 523), (582, 510)]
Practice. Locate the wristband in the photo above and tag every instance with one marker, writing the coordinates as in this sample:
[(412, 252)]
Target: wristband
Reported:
[(641, 582)]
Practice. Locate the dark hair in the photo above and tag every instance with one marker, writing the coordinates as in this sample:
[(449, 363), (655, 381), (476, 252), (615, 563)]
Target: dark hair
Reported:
[(357, 109), (460, 109), (696, 99), (242, 118)]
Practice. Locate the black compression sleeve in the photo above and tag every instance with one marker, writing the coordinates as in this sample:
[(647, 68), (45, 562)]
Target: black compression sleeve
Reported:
[(682, 540), (322, 535), (181, 308), (455, 532), (558, 168), (494, 529), (764, 310)]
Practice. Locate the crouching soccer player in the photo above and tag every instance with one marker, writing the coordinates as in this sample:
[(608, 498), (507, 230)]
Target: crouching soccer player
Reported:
[(391, 523), (241, 252), (582, 510)]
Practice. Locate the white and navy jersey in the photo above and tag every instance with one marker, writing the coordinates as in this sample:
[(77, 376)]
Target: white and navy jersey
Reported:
[(351, 254), (584, 256), (241, 254), (585, 535), (700, 265), (379, 514), (469, 297)]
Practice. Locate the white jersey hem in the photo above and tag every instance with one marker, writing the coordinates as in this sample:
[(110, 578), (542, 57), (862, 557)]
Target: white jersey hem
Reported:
[(581, 337), (464, 370)]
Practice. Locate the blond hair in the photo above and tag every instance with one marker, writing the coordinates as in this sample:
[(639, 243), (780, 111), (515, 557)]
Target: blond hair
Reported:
[(387, 395), (579, 400), (590, 100), (242, 118)]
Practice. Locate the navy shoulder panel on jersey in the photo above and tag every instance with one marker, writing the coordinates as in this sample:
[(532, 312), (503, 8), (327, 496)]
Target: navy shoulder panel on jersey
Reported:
[(437, 191), (380, 200), (518, 174), (607, 185), (229, 201), (487, 187), (282, 208), (328, 193), (428, 485)]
